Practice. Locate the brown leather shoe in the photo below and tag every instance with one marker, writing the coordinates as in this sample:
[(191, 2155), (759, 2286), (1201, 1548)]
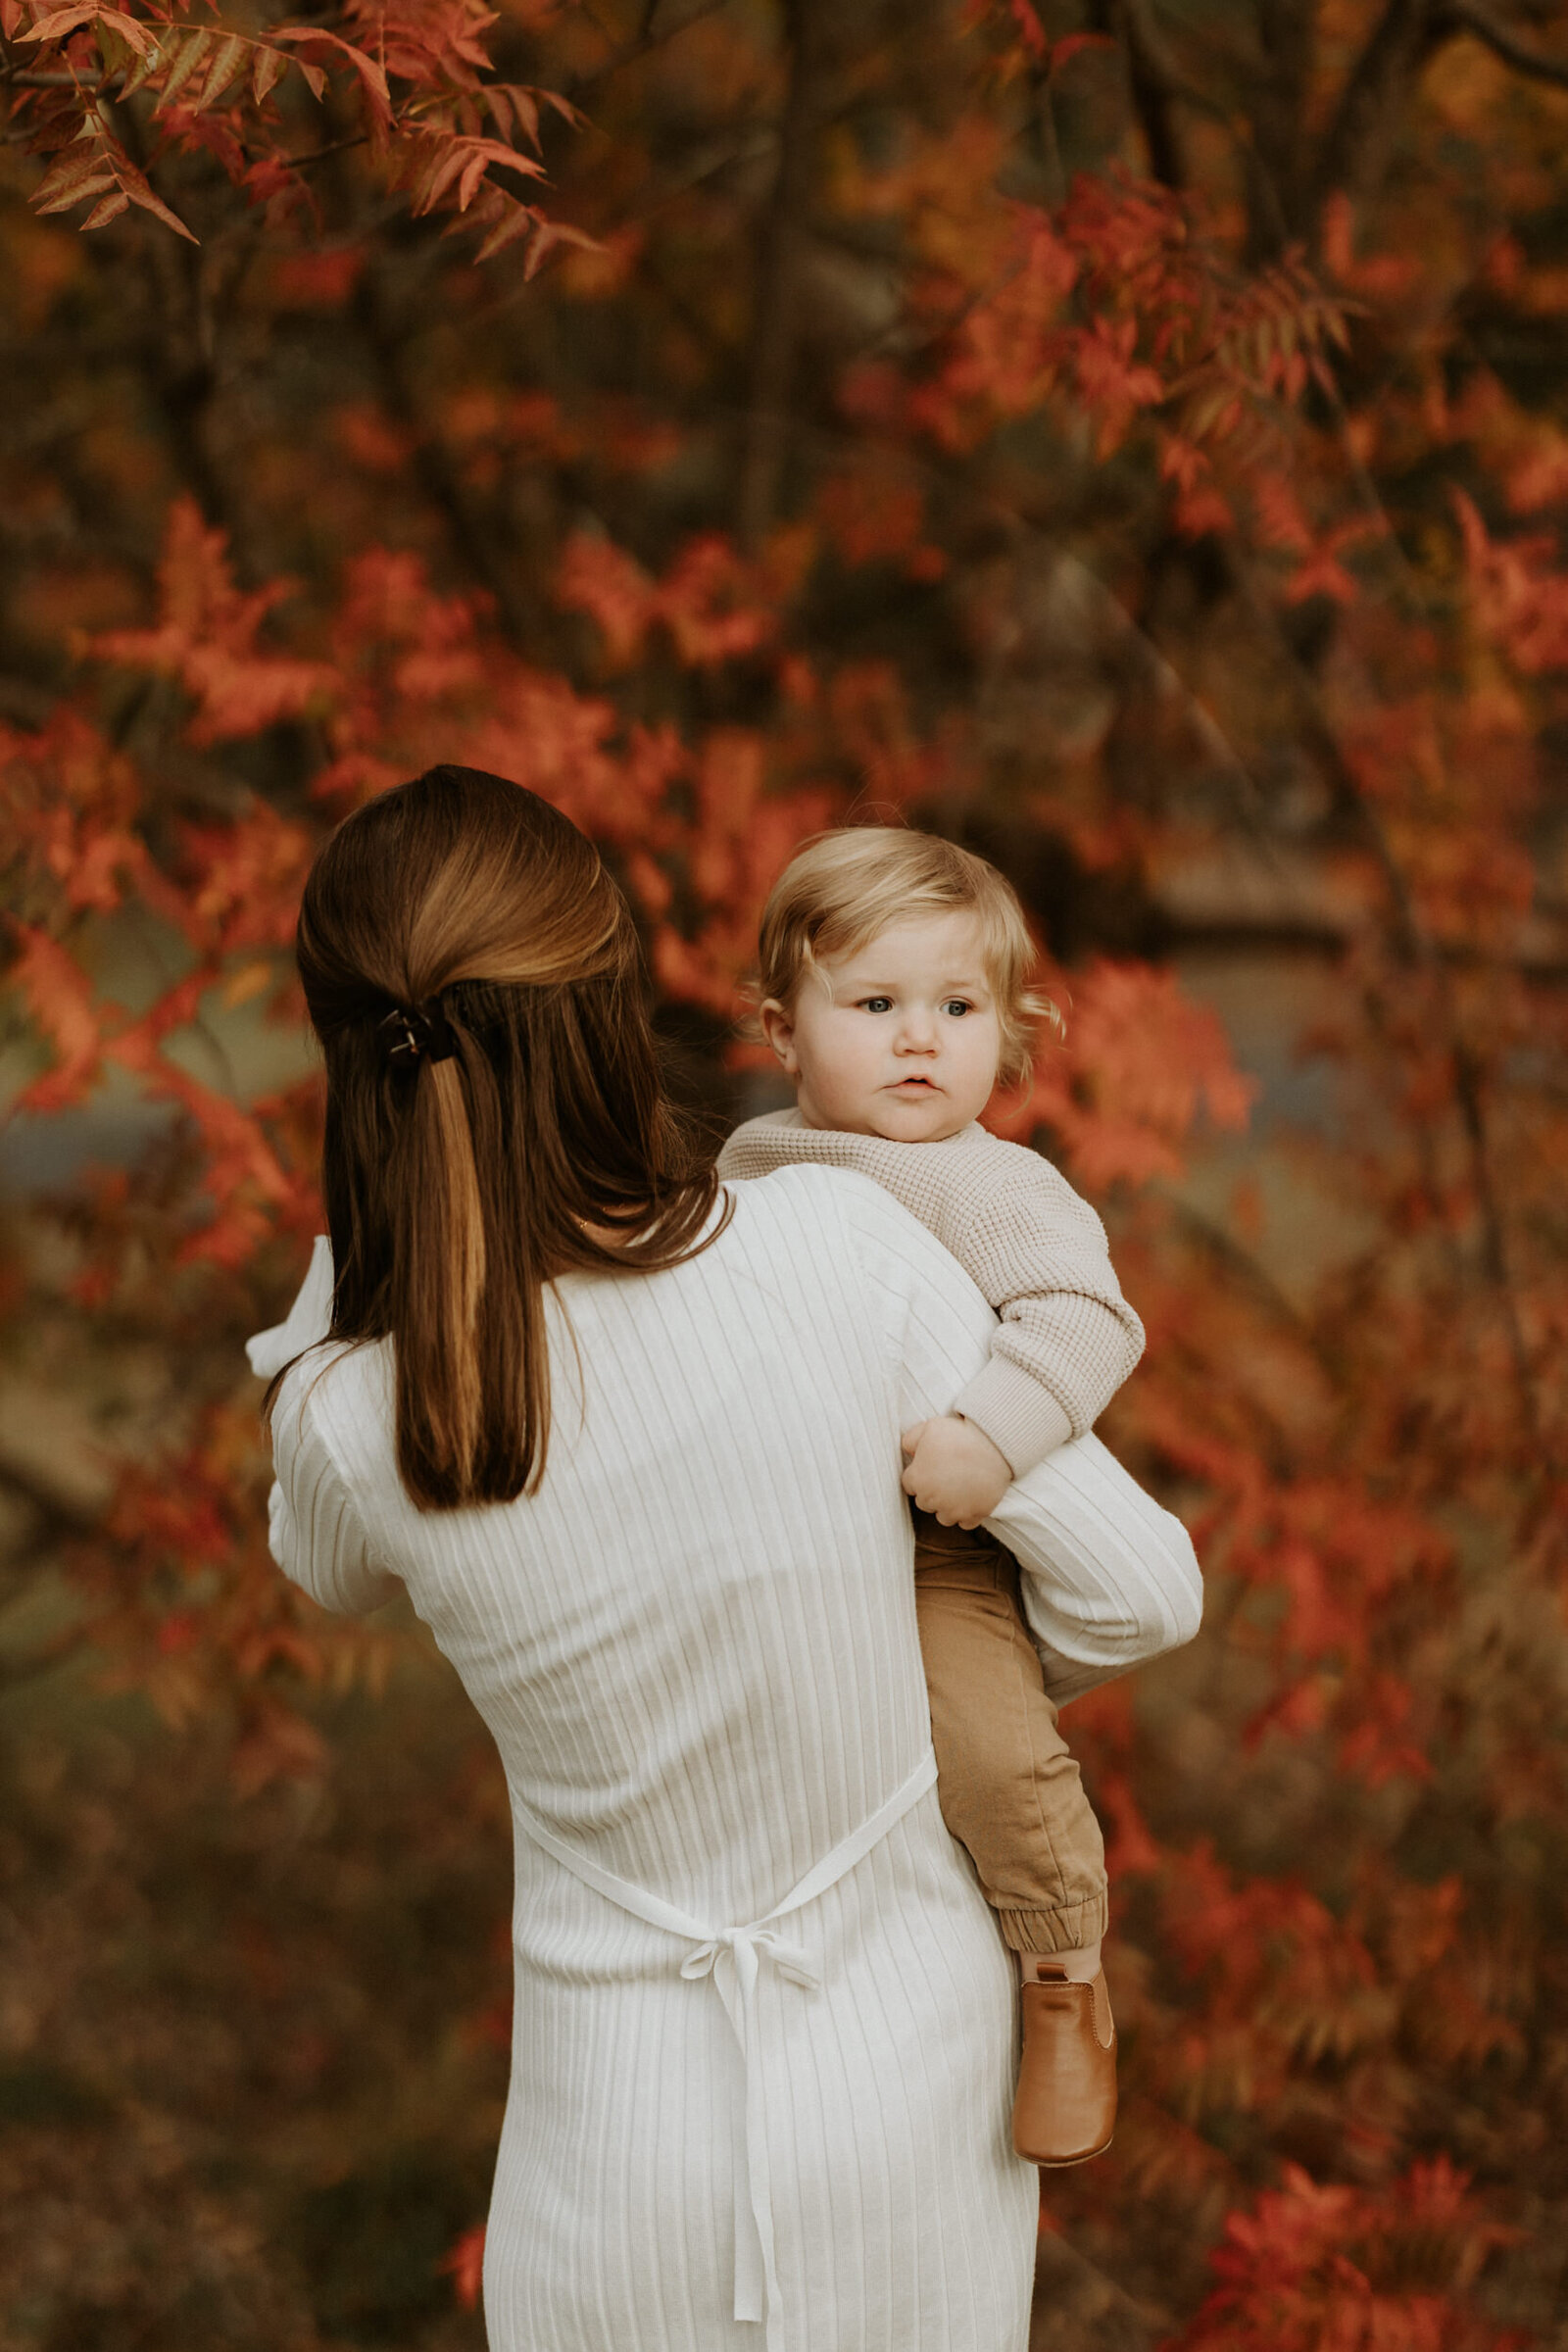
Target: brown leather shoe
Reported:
[(1065, 2110)]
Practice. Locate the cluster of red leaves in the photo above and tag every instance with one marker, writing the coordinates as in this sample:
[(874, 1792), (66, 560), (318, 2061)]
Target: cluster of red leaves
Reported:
[(403, 677), (114, 95), (1315, 2269), (1337, 1458)]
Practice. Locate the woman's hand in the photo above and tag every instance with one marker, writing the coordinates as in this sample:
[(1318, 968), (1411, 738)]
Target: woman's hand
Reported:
[(954, 1471)]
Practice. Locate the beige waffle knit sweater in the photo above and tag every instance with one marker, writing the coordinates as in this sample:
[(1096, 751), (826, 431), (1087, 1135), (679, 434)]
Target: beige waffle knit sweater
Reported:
[(1067, 1339)]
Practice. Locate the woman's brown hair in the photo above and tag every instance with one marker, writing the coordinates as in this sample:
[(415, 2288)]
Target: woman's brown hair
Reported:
[(493, 1091)]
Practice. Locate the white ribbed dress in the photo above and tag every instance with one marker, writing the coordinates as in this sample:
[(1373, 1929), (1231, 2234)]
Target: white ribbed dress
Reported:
[(695, 1650)]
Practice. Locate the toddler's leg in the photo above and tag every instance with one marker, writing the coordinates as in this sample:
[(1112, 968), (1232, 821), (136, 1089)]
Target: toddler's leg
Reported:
[(1009, 1792), (1008, 1785)]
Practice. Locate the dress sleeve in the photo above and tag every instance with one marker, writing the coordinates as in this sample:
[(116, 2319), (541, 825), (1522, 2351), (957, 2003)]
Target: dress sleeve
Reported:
[(314, 1533), (308, 1320), (1110, 1578)]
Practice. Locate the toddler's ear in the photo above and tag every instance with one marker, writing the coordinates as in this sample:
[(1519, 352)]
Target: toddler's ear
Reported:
[(779, 1031)]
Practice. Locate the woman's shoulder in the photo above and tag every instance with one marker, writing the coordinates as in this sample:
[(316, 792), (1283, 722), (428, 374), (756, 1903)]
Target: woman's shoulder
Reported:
[(828, 1210), (805, 1191), (336, 1393), (800, 1178)]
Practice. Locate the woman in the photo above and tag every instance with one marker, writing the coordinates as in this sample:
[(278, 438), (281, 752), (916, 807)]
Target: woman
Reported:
[(632, 1444)]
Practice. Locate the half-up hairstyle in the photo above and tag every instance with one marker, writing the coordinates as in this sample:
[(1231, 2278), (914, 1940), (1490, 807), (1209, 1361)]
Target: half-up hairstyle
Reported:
[(493, 1089)]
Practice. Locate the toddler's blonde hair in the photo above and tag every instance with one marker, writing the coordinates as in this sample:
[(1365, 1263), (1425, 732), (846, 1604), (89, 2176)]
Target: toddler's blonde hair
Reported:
[(842, 889)]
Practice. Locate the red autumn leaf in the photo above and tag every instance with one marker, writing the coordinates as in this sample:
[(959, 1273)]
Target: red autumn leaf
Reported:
[(463, 2265), (61, 1003)]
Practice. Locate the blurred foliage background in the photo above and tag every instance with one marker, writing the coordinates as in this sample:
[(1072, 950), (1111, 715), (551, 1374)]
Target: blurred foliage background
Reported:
[(1133, 443)]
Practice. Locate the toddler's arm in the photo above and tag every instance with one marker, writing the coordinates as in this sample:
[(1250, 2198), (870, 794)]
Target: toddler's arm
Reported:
[(1110, 1578), (1067, 1338)]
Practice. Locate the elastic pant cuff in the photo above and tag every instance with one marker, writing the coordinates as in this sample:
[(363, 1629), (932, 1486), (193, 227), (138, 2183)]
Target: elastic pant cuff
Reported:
[(1065, 1931)]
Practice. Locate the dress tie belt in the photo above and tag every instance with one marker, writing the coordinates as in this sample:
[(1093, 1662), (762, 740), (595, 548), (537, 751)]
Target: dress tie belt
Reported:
[(731, 1958)]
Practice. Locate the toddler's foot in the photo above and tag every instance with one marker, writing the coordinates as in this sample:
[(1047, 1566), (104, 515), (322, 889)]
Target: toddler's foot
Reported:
[(1065, 2110)]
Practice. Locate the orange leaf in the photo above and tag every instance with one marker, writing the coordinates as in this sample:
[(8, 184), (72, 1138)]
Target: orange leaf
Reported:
[(61, 21), (82, 170), (267, 73), (190, 51), (463, 2265), (59, 999), (108, 209)]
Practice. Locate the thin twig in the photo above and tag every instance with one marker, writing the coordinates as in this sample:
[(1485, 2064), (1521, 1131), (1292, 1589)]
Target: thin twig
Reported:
[(628, 52), (319, 155), (13, 79)]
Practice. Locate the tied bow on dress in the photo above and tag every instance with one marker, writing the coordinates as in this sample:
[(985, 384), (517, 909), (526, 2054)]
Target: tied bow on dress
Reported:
[(732, 1960)]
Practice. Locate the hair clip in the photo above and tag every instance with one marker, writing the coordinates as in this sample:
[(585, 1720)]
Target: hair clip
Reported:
[(419, 1032)]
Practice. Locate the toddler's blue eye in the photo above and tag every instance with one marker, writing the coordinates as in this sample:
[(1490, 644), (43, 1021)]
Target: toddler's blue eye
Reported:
[(957, 1005), (876, 1004)]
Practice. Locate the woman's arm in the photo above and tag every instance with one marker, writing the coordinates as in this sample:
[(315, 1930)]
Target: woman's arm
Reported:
[(1110, 1578), (314, 1533)]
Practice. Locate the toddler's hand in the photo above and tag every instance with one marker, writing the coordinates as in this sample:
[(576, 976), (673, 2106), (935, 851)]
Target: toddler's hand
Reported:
[(954, 1471)]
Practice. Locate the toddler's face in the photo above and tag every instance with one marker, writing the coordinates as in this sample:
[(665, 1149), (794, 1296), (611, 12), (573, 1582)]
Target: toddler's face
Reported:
[(899, 1039)]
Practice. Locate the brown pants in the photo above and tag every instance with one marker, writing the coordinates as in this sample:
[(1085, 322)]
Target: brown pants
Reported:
[(1007, 1787)]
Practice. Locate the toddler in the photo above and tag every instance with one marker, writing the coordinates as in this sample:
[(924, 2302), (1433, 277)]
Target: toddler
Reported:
[(894, 973)]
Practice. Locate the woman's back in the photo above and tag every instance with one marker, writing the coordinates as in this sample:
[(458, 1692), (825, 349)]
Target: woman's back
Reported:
[(695, 1648), (764, 2029)]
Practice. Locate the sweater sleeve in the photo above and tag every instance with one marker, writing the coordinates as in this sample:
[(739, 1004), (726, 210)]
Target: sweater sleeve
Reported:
[(314, 1533), (1110, 1578), (1067, 1338)]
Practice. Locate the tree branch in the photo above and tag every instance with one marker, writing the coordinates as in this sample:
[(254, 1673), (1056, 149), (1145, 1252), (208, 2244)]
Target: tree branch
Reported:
[(438, 477), (1466, 17), (1153, 82), (645, 38), (1277, 191), (1415, 946), (1157, 85), (1357, 145), (776, 317)]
